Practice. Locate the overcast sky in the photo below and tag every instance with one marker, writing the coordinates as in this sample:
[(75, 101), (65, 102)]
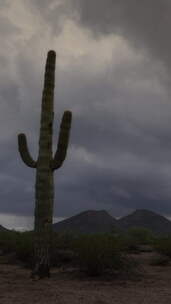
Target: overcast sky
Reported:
[(113, 72)]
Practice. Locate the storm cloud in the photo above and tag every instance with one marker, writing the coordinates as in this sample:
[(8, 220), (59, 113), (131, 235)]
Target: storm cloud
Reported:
[(145, 23), (113, 72)]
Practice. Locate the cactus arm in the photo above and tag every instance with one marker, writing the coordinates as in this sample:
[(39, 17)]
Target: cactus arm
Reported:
[(24, 152), (63, 141), (45, 166)]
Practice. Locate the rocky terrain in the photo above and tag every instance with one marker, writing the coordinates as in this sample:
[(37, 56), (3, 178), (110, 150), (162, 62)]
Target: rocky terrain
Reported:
[(152, 286)]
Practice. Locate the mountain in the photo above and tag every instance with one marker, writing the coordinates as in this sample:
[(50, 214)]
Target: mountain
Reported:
[(3, 228), (157, 223), (91, 221)]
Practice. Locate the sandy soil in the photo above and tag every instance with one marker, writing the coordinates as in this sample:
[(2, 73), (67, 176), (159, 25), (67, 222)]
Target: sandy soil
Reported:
[(152, 287)]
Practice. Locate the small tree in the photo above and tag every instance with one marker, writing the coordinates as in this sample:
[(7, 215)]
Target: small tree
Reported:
[(45, 166)]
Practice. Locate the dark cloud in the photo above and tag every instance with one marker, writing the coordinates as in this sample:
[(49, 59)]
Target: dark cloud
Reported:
[(54, 13), (145, 23), (114, 158), (117, 87)]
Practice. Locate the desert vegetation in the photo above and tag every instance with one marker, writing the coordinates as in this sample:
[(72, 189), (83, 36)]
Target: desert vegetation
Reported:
[(93, 254), (88, 266)]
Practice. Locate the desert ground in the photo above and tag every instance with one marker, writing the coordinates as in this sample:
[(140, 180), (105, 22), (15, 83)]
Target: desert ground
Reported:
[(151, 285)]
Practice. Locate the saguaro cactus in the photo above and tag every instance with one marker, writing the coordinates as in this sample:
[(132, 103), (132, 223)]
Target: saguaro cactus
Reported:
[(45, 166)]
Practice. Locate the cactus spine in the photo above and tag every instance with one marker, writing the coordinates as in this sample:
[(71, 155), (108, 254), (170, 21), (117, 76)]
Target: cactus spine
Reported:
[(45, 166)]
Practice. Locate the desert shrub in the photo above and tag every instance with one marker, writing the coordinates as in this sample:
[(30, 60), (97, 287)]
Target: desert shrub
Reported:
[(159, 260), (98, 253), (18, 243), (134, 238), (163, 246), (8, 241), (62, 249), (130, 245), (62, 240), (24, 247), (141, 236)]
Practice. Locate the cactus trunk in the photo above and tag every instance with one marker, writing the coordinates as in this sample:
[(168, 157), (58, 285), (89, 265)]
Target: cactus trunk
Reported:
[(44, 176), (45, 166)]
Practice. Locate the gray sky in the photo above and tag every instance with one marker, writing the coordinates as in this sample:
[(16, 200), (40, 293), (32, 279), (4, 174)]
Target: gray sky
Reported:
[(113, 71)]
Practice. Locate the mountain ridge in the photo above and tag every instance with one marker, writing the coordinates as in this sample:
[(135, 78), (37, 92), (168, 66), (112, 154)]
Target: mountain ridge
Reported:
[(100, 221), (89, 221), (2, 228), (151, 220)]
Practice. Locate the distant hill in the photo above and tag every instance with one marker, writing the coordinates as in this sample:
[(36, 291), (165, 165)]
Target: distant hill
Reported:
[(93, 221), (3, 228), (158, 224)]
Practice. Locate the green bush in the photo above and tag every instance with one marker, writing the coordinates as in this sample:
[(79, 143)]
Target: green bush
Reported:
[(134, 238), (18, 243), (24, 247), (159, 260), (62, 240), (129, 244), (163, 246), (62, 249), (95, 254), (141, 236), (98, 253), (8, 241)]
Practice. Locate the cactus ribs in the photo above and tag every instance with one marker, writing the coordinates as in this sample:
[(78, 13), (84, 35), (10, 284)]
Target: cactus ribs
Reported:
[(45, 166)]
